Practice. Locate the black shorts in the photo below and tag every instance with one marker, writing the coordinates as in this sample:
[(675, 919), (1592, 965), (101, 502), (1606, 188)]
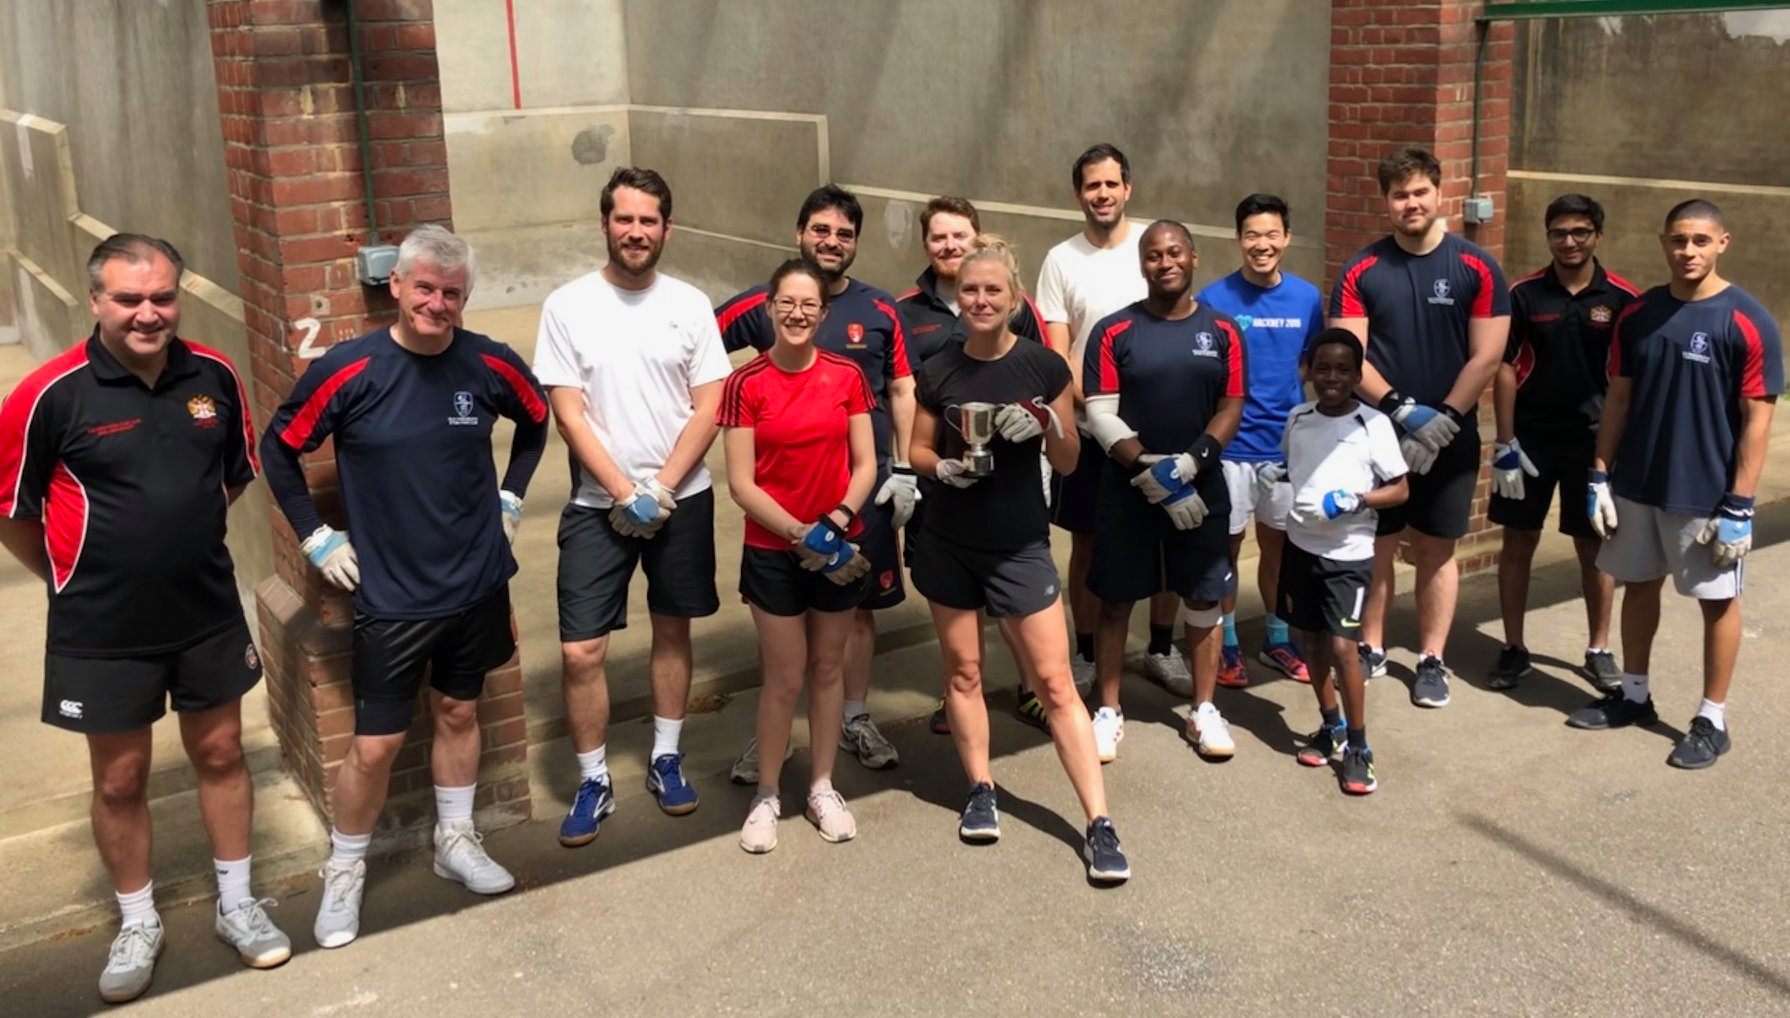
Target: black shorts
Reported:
[(596, 563), (775, 582), (911, 534), (1441, 500), (1075, 497), (1138, 552), (1006, 584), (1562, 458), (885, 588), (390, 656), (1322, 595), (104, 695)]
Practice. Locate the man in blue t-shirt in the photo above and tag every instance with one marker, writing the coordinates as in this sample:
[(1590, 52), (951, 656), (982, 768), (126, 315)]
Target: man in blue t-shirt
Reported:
[(1672, 484), (1278, 313)]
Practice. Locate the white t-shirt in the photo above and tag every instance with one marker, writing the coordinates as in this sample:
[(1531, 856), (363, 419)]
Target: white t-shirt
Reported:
[(1356, 453), (1081, 284), (635, 354)]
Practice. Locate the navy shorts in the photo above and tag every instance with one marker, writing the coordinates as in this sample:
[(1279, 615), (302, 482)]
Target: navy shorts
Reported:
[(1075, 496), (1138, 552), (885, 588)]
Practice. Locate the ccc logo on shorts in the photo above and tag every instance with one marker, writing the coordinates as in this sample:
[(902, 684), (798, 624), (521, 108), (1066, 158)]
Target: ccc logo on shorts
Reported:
[(250, 658), (69, 708), (886, 580)]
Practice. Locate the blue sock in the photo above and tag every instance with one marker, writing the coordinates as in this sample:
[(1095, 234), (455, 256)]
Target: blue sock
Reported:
[(1230, 629), (1277, 630)]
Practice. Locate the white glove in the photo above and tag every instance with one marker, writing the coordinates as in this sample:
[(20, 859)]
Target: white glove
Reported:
[(1328, 506), (329, 550), (1434, 428), (951, 471), (1730, 532), (1022, 422), (1509, 464), (1600, 505), (1418, 456), (903, 489), (511, 503), (1266, 477), (1187, 510), (1165, 476)]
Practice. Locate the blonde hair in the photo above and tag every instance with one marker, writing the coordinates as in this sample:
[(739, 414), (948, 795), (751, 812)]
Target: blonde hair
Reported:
[(992, 247)]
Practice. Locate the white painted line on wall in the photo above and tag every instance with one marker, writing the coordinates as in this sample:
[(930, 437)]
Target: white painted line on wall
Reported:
[(1661, 183)]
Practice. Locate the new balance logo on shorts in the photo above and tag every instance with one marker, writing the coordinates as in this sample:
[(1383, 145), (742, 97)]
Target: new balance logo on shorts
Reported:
[(70, 708)]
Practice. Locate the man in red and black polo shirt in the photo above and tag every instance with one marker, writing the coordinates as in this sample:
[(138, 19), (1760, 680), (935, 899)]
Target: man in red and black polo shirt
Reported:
[(118, 462)]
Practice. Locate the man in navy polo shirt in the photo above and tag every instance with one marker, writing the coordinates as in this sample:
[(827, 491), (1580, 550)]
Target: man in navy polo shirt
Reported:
[(1434, 314), (861, 323), (1696, 367), (118, 461)]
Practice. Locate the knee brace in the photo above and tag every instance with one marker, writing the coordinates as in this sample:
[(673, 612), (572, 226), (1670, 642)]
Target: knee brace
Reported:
[(1204, 618)]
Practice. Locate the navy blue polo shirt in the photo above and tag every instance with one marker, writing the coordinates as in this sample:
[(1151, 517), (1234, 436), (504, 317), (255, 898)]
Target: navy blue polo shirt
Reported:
[(930, 323), (132, 485), (1560, 347), (1417, 309), (1690, 364)]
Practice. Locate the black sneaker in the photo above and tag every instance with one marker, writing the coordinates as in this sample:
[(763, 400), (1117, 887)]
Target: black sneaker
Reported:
[(1030, 709), (1700, 746), (1322, 746), (941, 722), (1431, 687), (1358, 771), (1106, 859), (1600, 668), (981, 820), (1613, 710), (1373, 662), (1513, 667)]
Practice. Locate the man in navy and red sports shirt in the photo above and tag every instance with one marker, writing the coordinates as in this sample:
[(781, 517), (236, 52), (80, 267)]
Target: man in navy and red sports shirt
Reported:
[(1434, 314), (118, 461), (1549, 394), (862, 323), (1696, 367), (411, 409)]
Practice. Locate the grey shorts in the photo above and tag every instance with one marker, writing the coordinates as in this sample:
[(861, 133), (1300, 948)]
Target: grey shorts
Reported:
[(1651, 543)]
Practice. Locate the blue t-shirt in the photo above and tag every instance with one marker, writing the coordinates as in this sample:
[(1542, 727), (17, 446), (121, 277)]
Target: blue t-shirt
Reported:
[(1690, 364), (1277, 323)]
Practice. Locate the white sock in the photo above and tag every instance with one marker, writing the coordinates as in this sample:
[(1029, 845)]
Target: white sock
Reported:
[(348, 847), (1634, 687), (138, 907), (453, 805), (1597, 650), (1717, 713), (665, 735), (853, 708), (594, 765), (233, 882)]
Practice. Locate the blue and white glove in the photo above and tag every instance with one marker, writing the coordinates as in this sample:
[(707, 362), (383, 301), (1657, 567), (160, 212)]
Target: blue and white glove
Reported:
[(1600, 505), (1329, 506), (511, 504), (329, 550), (1434, 428), (1730, 532), (1166, 476), (1509, 464), (846, 566), (644, 511), (1185, 508)]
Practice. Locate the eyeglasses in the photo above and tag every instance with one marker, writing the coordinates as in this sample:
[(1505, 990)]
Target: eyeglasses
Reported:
[(1581, 234), (821, 232), (786, 307)]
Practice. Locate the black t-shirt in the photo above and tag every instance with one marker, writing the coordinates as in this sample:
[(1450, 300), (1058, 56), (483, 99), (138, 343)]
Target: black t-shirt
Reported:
[(1560, 345), (1005, 511)]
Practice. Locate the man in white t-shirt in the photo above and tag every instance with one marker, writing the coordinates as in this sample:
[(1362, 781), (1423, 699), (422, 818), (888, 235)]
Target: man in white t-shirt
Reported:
[(633, 364), (1084, 279)]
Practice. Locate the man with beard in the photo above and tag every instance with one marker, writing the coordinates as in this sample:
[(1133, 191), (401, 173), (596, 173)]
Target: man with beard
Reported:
[(633, 366), (1084, 279), (862, 324), (1434, 313)]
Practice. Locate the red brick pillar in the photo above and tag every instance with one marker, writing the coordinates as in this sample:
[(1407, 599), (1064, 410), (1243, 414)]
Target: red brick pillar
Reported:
[(1401, 73), (286, 96)]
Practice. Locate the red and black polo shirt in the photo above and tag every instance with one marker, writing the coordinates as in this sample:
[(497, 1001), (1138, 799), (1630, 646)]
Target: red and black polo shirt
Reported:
[(930, 322), (1559, 345)]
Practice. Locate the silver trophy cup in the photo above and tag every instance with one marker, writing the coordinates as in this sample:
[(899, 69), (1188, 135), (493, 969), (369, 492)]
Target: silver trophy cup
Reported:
[(976, 422)]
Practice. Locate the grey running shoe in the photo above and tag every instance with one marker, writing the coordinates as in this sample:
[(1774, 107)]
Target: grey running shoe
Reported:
[(1373, 661), (861, 738), (1700, 746), (745, 769), (131, 964), (1602, 670), (1613, 710), (1431, 687), (460, 856), (338, 914), (257, 940)]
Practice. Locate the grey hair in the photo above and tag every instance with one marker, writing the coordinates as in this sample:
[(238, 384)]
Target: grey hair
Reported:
[(438, 246), (134, 248)]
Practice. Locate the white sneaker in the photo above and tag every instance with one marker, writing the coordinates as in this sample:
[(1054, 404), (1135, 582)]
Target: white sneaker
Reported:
[(1210, 734), (1109, 728), (338, 914), (1081, 670), (257, 940), (460, 856), (759, 834), (131, 964), (1169, 671)]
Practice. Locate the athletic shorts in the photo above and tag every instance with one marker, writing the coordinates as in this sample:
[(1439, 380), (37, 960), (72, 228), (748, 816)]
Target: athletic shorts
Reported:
[(1006, 584), (596, 564), (1442, 499), (104, 695), (1074, 497), (1650, 543), (1239, 478), (1322, 595), (776, 582), (1561, 458), (1139, 553), (885, 588), (391, 655)]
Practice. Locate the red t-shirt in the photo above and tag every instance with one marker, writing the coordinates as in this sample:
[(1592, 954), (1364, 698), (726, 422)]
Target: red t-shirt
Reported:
[(801, 423)]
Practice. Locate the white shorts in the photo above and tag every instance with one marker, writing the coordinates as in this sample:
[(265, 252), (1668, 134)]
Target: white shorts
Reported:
[(1239, 477), (1650, 543)]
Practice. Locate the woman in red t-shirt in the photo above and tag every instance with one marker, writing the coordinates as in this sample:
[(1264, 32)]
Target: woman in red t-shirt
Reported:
[(801, 460)]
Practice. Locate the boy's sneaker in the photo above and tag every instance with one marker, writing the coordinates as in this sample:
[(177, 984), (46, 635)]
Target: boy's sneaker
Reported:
[(1323, 746), (131, 964), (1358, 771), (1284, 658), (745, 769), (1169, 671), (1431, 687), (460, 856), (258, 942), (1613, 710), (861, 738), (1210, 734), (827, 812), (759, 835), (941, 722), (665, 779), (590, 804), (1602, 670), (1231, 673), (1700, 746), (1030, 709), (1106, 858), (1513, 667), (1109, 728), (1081, 671), (1373, 661), (981, 818), (338, 914)]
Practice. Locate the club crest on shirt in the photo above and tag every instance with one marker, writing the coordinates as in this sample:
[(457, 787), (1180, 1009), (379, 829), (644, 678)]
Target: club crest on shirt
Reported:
[(1602, 314), (1699, 350), (854, 334), (204, 411), (1204, 345), (463, 407), (1441, 290)]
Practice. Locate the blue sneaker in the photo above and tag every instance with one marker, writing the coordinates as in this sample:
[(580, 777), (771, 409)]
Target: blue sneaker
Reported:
[(665, 779), (593, 802)]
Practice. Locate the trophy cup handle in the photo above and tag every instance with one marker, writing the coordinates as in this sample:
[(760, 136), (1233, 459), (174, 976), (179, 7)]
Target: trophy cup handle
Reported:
[(954, 417)]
